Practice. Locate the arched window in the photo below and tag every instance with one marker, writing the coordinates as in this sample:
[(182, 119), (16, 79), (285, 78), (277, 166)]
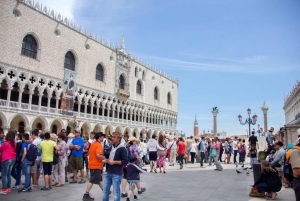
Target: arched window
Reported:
[(136, 72), (70, 61), (143, 76), (29, 47), (169, 98), (155, 93), (39, 126), (121, 82), (138, 87), (54, 129), (99, 72), (21, 128)]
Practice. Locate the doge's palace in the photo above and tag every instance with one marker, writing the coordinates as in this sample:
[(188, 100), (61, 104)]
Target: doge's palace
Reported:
[(46, 58)]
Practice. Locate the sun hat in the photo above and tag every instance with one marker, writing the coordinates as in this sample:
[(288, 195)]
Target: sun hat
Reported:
[(71, 135), (131, 138)]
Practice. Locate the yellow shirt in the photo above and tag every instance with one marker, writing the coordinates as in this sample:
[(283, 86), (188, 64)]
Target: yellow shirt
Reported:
[(47, 148)]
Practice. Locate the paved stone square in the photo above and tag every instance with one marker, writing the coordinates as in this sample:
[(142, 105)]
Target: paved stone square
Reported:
[(190, 183)]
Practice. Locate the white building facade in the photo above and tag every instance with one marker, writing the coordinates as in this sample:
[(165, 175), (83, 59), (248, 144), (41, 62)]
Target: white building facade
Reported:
[(288, 133), (115, 91)]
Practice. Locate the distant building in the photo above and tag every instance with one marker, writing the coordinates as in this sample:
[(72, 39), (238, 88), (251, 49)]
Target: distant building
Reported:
[(196, 130)]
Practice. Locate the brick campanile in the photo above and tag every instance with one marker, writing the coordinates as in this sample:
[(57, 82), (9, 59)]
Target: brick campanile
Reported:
[(196, 131)]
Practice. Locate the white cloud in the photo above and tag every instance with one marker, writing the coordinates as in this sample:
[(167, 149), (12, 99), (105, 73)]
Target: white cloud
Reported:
[(64, 7)]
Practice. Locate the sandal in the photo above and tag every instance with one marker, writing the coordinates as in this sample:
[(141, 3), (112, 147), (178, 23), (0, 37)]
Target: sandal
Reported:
[(82, 181), (59, 185), (73, 181)]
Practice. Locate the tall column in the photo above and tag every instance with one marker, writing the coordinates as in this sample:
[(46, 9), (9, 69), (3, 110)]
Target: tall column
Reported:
[(264, 108), (79, 107), (8, 96), (215, 113), (85, 108), (20, 97), (30, 99), (40, 99), (56, 103), (48, 104), (97, 113)]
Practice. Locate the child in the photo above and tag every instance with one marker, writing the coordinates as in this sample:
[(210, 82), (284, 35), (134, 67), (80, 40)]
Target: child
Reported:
[(253, 155), (133, 176)]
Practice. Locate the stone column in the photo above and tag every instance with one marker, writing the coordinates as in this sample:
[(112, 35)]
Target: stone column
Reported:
[(215, 113), (8, 96), (40, 99), (56, 103), (30, 99), (48, 103), (20, 97), (264, 108)]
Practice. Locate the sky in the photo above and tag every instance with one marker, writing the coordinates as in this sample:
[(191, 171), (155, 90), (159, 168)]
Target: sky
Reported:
[(227, 53)]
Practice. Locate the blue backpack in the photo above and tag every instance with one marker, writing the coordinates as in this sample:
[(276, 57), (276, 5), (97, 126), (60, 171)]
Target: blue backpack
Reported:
[(31, 152)]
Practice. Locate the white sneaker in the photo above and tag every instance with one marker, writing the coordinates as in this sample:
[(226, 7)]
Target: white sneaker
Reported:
[(15, 187)]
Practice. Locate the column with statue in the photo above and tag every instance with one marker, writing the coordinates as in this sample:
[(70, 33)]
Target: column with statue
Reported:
[(215, 112)]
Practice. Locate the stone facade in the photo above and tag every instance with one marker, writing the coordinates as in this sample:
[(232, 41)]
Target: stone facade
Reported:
[(288, 133), (31, 87)]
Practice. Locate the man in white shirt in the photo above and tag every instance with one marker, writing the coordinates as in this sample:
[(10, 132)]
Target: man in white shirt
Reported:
[(235, 149), (35, 170)]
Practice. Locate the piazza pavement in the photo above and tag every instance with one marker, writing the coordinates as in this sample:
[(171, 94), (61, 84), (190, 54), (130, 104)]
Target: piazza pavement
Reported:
[(189, 184)]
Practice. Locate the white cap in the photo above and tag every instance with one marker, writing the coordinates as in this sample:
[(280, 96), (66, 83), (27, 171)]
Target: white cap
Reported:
[(298, 131)]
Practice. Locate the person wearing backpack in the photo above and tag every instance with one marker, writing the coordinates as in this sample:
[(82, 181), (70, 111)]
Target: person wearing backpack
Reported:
[(26, 162), (35, 170), (202, 151), (295, 163), (47, 148), (17, 169), (242, 151)]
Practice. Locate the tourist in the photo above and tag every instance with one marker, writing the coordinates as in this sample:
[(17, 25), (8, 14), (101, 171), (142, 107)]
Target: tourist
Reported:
[(76, 161), (8, 158), (35, 170), (181, 150), (270, 136), (152, 147), (26, 164), (193, 151), (217, 145), (17, 169), (253, 155), (162, 152), (242, 151), (117, 158), (278, 156), (227, 151), (1, 142), (67, 168), (211, 145), (85, 158), (172, 146), (235, 149), (47, 147), (295, 164), (269, 181), (207, 143), (253, 139), (59, 171), (133, 177), (202, 151), (221, 149), (92, 137), (96, 155)]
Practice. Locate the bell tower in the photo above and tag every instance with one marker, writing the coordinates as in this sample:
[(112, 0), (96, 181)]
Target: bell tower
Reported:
[(196, 131)]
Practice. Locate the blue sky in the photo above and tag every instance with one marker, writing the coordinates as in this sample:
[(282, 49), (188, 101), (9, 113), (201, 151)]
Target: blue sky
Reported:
[(230, 54)]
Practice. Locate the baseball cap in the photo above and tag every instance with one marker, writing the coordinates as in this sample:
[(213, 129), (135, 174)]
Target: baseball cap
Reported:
[(99, 134), (77, 131), (132, 159)]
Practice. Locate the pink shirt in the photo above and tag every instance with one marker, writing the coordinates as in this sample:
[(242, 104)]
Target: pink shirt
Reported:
[(217, 146), (8, 152)]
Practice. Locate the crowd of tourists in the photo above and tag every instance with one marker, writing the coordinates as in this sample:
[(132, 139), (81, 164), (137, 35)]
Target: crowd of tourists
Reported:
[(118, 159)]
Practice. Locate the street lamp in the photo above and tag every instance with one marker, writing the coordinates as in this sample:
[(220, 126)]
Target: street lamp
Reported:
[(248, 121)]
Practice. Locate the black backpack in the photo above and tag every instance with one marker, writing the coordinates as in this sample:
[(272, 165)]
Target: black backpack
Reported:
[(287, 170), (31, 152), (55, 157)]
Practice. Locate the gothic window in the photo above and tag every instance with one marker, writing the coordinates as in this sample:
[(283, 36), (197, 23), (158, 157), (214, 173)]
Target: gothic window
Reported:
[(138, 87), (169, 98), (155, 93), (121, 82), (21, 127), (99, 73), (29, 47), (39, 126), (143, 76), (136, 72), (54, 129), (70, 61)]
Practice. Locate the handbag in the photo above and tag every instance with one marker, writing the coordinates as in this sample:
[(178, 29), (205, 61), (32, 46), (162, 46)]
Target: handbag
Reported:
[(255, 193), (185, 156), (214, 152), (169, 150)]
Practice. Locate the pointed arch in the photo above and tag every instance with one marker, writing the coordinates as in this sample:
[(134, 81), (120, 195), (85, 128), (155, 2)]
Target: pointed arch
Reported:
[(44, 122), (122, 82)]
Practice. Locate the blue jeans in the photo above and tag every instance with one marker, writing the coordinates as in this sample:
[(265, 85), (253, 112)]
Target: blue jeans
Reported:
[(26, 170), (276, 164), (16, 172), (262, 187), (6, 168), (115, 180)]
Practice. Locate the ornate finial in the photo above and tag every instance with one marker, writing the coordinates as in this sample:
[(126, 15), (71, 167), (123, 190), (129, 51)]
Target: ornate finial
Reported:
[(123, 45), (264, 104), (195, 117)]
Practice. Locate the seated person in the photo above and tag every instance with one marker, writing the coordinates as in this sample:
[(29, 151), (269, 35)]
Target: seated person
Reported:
[(278, 156), (269, 181)]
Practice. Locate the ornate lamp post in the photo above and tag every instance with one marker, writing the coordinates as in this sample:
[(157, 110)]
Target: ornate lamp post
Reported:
[(248, 121), (73, 123)]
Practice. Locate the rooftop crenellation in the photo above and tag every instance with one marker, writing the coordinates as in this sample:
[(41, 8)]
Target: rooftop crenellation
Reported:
[(69, 23), (292, 92)]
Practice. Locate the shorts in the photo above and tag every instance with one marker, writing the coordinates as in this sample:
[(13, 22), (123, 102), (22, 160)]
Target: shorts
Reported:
[(35, 167), (125, 173), (47, 168), (96, 176), (76, 163), (152, 156)]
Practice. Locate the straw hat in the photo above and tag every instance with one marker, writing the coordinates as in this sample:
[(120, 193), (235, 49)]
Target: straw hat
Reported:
[(71, 135), (131, 138)]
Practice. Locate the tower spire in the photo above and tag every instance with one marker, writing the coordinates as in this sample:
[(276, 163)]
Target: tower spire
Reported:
[(196, 132)]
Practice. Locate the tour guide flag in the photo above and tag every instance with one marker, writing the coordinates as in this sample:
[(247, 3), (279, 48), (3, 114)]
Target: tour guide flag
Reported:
[(68, 94)]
